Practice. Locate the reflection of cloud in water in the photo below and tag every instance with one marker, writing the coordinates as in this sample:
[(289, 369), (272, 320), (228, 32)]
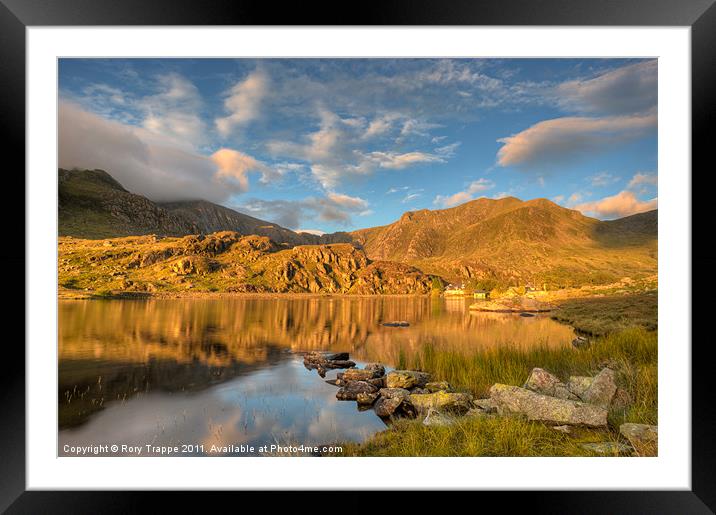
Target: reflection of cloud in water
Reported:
[(283, 404)]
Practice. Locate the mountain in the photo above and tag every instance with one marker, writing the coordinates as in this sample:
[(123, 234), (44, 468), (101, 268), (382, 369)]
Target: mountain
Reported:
[(229, 262), (92, 204), (485, 242), (513, 241)]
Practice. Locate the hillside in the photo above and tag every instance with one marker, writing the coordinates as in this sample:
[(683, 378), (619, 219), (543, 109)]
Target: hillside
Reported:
[(94, 205), (518, 242), (228, 262)]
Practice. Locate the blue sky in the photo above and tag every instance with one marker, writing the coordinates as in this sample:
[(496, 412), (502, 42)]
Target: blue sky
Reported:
[(339, 144)]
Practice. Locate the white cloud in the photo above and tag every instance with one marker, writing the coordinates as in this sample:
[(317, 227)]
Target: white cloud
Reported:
[(397, 161), (625, 90), (336, 208), (410, 197), (603, 179), (145, 162), (242, 102), (347, 201), (173, 112), (643, 179), (469, 193), (334, 151), (564, 139), (622, 204), (236, 165)]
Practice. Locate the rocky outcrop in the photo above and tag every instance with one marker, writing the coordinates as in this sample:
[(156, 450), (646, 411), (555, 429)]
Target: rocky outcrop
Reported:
[(535, 406)]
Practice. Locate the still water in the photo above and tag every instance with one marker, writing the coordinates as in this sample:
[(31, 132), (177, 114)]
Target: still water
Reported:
[(223, 372)]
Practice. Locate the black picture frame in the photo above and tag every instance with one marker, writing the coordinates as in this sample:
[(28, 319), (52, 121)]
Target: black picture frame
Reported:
[(700, 15)]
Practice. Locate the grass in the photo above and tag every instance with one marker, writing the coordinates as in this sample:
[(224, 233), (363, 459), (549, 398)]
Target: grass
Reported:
[(476, 436), (628, 343), (598, 316)]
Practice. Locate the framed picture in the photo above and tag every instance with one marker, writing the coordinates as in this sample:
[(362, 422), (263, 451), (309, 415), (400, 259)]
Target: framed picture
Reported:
[(436, 239)]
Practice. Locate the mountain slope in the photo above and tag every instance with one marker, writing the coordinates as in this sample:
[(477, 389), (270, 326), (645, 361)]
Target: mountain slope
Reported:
[(92, 204), (513, 241)]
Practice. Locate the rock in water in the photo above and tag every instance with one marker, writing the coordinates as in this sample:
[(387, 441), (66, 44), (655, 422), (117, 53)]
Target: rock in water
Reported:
[(643, 437), (377, 369), (319, 356), (357, 374), (543, 382), (458, 403), (394, 393), (406, 379), (607, 448), (366, 399), (602, 390), (435, 418), (386, 406), (338, 363), (350, 391), (535, 406)]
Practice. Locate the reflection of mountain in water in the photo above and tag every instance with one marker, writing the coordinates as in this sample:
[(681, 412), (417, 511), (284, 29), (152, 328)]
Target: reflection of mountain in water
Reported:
[(110, 351)]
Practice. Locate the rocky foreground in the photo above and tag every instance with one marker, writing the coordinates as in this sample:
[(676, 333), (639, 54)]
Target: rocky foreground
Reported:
[(582, 401)]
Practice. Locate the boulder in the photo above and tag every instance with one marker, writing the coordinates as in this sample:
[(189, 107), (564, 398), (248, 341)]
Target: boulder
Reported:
[(643, 437), (377, 369), (338, 363), (393, 393), (543, 382), (386, 406), (319, 356), (442, 401), (438, 386), (602, 390), (406, 379), (420, 390), (435, 418), (366, 399), (350, 391), (378, 382), (535, 406), (578, 385), (357, 374), (607, 448)]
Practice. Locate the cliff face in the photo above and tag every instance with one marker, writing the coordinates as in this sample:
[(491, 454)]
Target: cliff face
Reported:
[(228, 261)]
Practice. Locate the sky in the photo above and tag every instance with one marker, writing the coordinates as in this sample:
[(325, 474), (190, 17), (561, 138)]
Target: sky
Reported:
[(324, 145)]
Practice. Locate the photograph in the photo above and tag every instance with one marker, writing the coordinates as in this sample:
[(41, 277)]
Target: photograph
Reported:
[(357, 257)]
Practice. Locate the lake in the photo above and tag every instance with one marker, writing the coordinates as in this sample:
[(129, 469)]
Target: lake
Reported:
[(227, 372)]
